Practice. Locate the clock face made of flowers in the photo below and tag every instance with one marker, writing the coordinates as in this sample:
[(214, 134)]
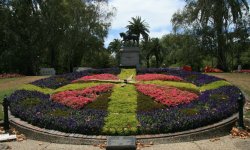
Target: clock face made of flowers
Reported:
[(125, 102)]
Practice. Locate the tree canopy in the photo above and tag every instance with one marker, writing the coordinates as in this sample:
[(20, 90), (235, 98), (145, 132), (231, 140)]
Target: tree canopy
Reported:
[(60, 34), (215, 21), (139, 27)]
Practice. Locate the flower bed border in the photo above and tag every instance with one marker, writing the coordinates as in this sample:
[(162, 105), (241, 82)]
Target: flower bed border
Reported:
[(218, 129)]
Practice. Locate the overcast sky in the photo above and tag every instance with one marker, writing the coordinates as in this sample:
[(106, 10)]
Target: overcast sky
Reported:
[(157, 13)]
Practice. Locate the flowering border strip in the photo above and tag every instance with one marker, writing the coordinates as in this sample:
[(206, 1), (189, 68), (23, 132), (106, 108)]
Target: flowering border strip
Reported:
[(150, 77), (166, 95), (183, 85), (196, 78), (79, 98), (104, 76), (57, 81)]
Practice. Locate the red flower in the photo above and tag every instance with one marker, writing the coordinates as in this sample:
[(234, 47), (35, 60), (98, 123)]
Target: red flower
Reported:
[(210, 69), (244, 71), (79, 98), (187, 68), (104, 76), (169, 96), (148, 77)]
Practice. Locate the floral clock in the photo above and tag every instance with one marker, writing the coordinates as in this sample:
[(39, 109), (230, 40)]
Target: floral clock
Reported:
[(125, 101)]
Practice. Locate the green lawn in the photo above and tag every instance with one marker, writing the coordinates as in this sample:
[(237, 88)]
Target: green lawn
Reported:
[(8, 80), (7, 86), (241, 80)]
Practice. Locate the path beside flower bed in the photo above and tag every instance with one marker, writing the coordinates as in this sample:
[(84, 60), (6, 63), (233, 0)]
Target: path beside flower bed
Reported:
[(7, 86), (240, 80), (121, 117), (11, 83)]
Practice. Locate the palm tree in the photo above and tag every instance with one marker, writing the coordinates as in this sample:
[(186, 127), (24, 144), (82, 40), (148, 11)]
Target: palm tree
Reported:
[(114, 47), (139, 27), (219, 12)]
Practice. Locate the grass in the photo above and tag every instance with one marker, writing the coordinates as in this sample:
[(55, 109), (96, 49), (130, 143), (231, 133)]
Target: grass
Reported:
[(30, 102), (76, 86), (214, 85), (247, 114), (30, 87), (9, 85), (190, 86), (121, 119), (146, 103), (8, 79), (182, 85), (122, 107), (241, 80), (126, 73), (101, 103)]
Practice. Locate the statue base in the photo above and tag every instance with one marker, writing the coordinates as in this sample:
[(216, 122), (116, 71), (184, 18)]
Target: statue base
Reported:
[(129, 57)]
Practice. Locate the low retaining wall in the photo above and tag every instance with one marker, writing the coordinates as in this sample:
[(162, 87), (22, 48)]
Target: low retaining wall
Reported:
[(32, 132)]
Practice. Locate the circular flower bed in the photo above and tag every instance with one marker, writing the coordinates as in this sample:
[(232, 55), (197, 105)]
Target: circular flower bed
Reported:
[(125, 101)]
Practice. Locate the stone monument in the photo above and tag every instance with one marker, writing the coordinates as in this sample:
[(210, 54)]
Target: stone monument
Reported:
[(129, 57), (129, 51)]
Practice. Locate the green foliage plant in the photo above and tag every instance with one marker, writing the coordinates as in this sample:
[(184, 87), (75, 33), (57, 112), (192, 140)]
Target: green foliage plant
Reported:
[(182, 85), (214, 85), (76, 86), (59, 113), (122, 106), (30, 102), (30, 87), (126, 73), (122, 111), (146, 103)]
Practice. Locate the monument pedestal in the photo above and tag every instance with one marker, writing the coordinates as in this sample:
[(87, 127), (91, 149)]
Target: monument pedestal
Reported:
[(129, 57)]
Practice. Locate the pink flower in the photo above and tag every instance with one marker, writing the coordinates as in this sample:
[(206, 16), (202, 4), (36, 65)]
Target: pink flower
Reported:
[(149, 77), (104, 76), (79, 98), (169, 96)]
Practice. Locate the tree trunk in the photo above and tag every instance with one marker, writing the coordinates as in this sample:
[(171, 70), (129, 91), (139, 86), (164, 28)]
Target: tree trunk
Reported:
[(218, 18), (147, 58), (157, 60), (52, 56)]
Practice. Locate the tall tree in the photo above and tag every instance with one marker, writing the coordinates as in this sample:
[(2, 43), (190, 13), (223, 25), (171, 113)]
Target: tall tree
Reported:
[(216, 14), (114, 47), (60, 34), (139, 27)]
